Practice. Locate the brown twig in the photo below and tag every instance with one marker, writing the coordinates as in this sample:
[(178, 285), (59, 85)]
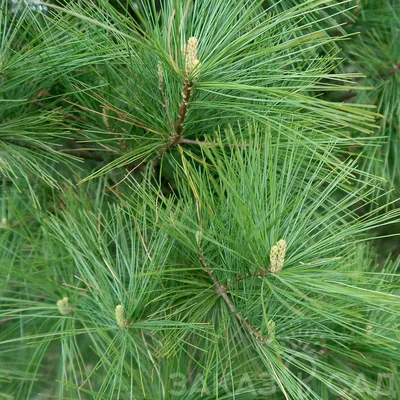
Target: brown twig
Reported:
[(176, 137), (197, 142), (393, 71), (183, 107), (221, 290)]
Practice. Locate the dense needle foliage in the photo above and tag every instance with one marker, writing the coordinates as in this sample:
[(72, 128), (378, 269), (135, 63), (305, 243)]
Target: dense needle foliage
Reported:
[(199, 199)]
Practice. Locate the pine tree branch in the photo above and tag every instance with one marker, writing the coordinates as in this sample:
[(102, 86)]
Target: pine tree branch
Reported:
[(221, 290), (176, 137), (196, 142), (187, 89)]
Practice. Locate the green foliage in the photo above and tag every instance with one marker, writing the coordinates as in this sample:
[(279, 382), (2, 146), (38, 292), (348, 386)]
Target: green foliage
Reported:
[(379, 61), (198, 200)]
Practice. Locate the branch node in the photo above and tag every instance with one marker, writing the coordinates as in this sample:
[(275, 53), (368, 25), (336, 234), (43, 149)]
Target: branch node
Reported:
[(222, 291)]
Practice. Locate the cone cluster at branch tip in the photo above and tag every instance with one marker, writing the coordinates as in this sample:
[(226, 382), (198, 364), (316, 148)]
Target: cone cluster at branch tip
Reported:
[(63, 306), (190, 52), (120, 316), (277, 257)]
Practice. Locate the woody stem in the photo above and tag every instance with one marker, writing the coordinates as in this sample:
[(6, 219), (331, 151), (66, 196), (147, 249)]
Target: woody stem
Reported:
[(221, 290), (176, 137), (183, 107)]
